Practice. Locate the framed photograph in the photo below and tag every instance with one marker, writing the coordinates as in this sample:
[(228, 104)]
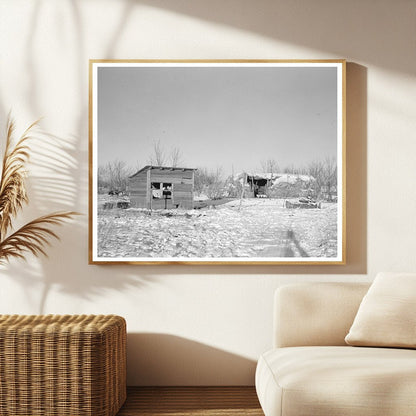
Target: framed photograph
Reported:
[(217, 162)]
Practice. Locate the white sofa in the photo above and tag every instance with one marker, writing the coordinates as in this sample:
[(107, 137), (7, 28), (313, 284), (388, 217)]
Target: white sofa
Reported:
[(311, 371)]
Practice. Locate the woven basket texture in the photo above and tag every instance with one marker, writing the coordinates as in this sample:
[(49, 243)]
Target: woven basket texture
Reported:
[(56, 365)]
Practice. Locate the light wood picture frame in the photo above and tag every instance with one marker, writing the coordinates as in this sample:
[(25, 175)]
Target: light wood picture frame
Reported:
[(217, 162)]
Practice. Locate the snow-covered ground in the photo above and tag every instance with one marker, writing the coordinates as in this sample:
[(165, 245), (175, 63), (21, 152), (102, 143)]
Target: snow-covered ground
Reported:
[(257, 228)]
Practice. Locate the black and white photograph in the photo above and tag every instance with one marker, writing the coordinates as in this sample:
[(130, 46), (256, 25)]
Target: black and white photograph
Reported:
[(217, 162)]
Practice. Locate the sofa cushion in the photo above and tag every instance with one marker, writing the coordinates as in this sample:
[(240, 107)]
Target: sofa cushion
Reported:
[(342, 381), (315, 314), (387, 314)]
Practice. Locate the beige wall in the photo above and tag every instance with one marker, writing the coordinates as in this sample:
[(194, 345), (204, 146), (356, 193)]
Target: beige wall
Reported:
[(204, 325)]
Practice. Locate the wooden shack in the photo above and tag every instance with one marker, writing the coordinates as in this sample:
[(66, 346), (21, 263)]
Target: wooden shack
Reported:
[(160, 187)]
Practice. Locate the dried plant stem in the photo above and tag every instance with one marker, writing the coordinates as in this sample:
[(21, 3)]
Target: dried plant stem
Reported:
[(34, 236)]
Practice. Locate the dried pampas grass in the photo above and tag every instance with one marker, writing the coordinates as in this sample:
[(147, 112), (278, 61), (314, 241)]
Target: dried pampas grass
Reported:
[(34, 236)]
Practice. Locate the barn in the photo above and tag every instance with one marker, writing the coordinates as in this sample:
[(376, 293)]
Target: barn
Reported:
[(160, 187)]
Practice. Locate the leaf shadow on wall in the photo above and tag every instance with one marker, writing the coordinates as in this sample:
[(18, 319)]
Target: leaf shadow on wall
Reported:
[(164, 359), (59, 181), (54, 160)]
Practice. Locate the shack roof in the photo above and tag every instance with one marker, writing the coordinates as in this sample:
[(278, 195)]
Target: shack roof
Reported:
[(149, 167)]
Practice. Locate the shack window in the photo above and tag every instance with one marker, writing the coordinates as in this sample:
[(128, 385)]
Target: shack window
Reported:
[(161, 190)]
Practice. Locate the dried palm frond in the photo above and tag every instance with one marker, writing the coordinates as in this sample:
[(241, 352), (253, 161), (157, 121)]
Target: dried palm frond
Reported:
[(34, 236)]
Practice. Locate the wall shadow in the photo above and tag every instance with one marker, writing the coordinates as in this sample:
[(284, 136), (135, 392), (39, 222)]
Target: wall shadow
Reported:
[(356, 159), (169, 360), (339, 28)]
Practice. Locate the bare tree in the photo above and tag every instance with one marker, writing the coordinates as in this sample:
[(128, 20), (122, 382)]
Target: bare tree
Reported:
[(175, 157), (209, 182), (292, 169), (330, 176), (114, 176), (158, 155), (103, 180), (270, 166), (325, 174), (216, 187), (315, 169)]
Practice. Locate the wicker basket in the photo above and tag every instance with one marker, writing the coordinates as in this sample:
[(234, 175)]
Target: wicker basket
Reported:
[(54, 365)]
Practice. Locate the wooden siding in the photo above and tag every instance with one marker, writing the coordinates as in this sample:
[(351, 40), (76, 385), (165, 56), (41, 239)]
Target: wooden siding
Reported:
[(138, 184), (162, 204), (138, 190), (167, 179), (157, 175), (168, 175), (183, 195)]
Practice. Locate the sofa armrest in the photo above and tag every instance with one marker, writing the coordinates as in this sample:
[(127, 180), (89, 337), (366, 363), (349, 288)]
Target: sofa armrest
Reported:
[(309, 314)]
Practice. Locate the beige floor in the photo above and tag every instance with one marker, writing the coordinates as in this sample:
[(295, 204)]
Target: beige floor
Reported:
[(187, 401)]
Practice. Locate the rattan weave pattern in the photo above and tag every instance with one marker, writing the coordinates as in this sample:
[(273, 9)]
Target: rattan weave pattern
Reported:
[(62, 365)]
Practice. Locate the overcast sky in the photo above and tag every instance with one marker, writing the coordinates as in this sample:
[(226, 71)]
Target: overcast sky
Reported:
[(233, 117)]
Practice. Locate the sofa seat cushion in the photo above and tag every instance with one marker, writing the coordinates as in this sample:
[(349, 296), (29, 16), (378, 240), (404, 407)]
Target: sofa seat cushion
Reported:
[(305, 381)]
